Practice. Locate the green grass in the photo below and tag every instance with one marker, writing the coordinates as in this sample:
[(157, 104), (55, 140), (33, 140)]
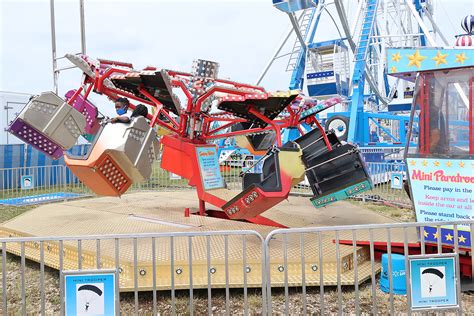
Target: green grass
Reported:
[(397, 213), (8, 212), (161, 178)]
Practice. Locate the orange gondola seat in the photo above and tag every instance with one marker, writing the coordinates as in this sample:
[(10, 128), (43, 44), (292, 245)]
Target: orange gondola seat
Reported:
[(122, 154)]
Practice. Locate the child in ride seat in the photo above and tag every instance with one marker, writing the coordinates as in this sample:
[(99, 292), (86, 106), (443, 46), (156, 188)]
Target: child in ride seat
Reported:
[(121, 107)]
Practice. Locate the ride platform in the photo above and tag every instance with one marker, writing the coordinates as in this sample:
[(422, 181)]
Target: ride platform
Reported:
[(154, 212)]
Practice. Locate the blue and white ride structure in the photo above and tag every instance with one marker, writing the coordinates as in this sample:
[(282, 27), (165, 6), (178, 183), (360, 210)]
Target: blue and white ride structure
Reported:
[(374, 111)]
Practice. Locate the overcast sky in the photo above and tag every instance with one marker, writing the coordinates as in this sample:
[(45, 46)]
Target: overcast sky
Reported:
[(240, 35)]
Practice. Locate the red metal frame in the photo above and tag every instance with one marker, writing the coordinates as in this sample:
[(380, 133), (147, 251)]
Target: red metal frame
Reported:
[(270, 122), (424, 144), (179, 79), (74, 96), (179, 148), (325, 137), (414, 248), (424, 115)]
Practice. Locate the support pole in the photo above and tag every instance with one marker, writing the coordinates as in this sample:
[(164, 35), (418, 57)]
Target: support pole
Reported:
[(435, 26), (420, 22), (202, 207), (278, 50), (83, 27), (53, 45), (296, 28), (270, 62)]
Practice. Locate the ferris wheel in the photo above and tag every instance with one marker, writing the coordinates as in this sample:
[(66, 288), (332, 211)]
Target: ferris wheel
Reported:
[(353, 65)]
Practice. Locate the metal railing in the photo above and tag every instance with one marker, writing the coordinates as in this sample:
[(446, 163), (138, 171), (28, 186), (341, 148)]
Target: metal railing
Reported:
[(51, 179), (324, 260), (316, 270), (380, 172), (42, 180), (133, 256), (384, 189)]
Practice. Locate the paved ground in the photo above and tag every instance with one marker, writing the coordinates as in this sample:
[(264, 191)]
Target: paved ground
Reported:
[(299, 212), (114, 215), (153, 212)]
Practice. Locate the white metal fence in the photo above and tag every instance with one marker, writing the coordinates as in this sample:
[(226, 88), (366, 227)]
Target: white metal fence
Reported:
[(315, 273), (41, 179), (139, 261), (51, 179), (347, 276)]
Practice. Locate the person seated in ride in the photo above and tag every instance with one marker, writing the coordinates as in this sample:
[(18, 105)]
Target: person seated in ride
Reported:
[(438, 142), (121, 107), (437, 136)]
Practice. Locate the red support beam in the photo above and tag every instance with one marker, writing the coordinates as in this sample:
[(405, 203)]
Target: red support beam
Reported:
[(325, 137), (268, 121), (74, 96), (237, 133)]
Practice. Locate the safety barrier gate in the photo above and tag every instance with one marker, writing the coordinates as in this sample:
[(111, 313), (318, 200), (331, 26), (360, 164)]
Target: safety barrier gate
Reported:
[(306, 254)]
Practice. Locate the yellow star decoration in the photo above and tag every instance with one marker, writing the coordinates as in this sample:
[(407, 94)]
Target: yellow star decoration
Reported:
[(449, 237), (449, 164), (393, 69), (460, 58), (396, 57), (462, 239), (436, 163), (424, 163), (413, 162), (461, 164), (416, 59), (440, 58), (425, 233), (435, 235)]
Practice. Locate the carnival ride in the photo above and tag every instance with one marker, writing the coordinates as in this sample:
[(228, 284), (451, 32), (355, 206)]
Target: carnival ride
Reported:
[(130, 147), (370, 115), (122, 154)]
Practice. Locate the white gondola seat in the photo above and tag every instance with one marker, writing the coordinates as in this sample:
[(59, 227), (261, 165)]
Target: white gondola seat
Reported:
[(49, 124)]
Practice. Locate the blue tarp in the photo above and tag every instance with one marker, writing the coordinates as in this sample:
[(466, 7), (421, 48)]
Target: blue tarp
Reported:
[(20, 159), (40, 198)]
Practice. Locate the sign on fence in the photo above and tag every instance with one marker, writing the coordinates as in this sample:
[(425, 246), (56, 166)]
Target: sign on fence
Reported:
[(91, 292), (397, 180), (433, 281), (27, 182)]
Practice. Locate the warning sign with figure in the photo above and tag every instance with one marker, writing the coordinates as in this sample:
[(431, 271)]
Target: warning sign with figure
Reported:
[(90, 299), (27, 182), (397, 181), (433, 281), (90, 292)]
